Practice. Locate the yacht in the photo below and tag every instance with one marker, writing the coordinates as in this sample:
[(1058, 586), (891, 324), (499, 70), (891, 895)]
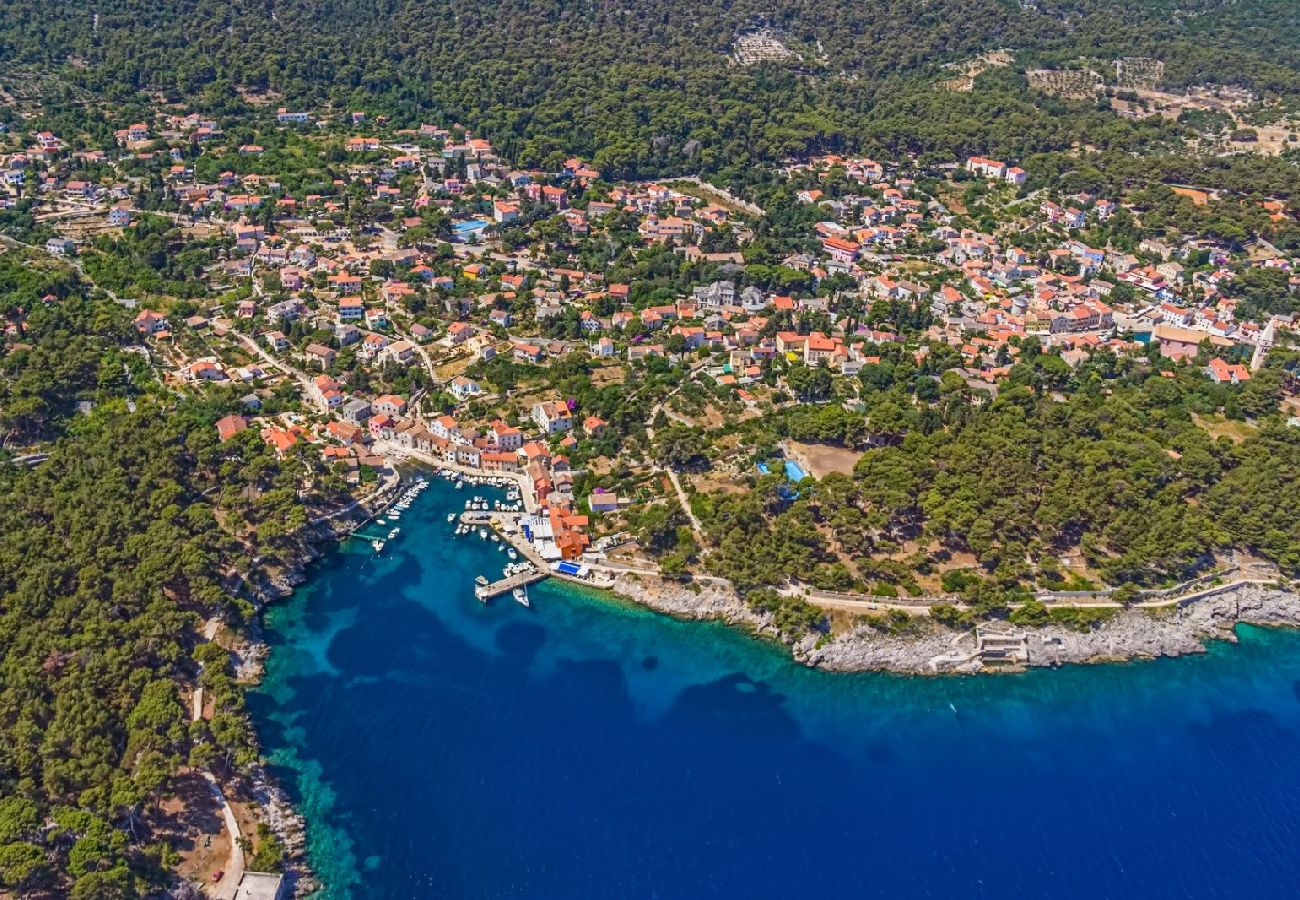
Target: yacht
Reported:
[(481, 581), (510, 552), (521, 596), (378, 545)]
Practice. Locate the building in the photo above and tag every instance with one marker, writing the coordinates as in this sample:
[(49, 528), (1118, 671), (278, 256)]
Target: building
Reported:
[(355, 411), (552, 418), (1223, 372), (260, 886)]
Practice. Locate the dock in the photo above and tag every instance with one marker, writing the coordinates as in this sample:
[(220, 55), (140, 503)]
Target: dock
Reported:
[(486, 592)]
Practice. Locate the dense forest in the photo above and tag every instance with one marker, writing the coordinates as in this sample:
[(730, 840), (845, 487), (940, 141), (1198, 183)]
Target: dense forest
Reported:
[(644, 87), (139, 526)]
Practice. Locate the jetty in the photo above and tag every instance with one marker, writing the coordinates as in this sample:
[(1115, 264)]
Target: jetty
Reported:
[(486, 592)]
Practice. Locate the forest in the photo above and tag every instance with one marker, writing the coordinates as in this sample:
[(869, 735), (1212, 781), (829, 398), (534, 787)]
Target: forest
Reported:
[(646, 88), (139, 526)]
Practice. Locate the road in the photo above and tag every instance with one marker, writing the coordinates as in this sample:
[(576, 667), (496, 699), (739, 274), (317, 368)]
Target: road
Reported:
[(303, 378)]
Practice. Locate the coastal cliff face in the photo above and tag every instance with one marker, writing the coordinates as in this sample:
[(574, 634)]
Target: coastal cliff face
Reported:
[(932, 649)]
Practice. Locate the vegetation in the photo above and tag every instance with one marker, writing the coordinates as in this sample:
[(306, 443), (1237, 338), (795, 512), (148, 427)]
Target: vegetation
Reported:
[(137, 528)]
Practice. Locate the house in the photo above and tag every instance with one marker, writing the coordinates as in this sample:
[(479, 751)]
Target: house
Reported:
[(119, 216), (230, 426), (351, 309), (390, 405), (148, 322), (400, 352), (459, 332), (463, 388), (372, 346), (1222, 372), (321, 354), (376, 318), (528, 353), (59, 246), (600, 502), (552, 417), (346, 334), (276, 340), (355, 411), (505, 437)]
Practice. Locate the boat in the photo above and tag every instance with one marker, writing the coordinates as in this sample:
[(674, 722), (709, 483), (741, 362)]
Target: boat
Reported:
[(392, 534), (394, 515), (495, 538), (451, 517), (510, 552), (459, 485), (378, 545), (381, 522), (482, 533), (481, 581), (521, 596)]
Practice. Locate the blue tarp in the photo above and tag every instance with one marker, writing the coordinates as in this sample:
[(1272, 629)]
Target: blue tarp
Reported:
[(568, 568)]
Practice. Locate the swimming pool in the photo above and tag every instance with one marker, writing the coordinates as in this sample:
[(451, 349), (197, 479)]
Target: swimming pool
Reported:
[(794, 471), (469, 226)]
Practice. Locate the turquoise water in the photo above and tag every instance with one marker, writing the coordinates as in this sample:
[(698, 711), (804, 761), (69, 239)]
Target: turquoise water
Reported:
[(584, 748)]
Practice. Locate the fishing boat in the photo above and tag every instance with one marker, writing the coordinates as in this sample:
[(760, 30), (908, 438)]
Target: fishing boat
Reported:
[(521, 596)]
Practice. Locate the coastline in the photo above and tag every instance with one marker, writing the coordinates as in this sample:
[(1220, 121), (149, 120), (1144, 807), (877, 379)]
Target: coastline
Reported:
[(931, 649), (277, 809)]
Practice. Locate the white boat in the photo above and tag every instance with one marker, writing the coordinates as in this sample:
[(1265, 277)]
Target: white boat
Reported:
[(381, 522), (521, 596), (459, 485), (394, 514), (378, 545), (510, 552), (392, 534), (482, 533), (481, 581), (451, 517), (495, 538)]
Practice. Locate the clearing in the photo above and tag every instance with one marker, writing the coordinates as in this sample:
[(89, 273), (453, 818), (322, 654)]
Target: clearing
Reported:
[(819, 460)]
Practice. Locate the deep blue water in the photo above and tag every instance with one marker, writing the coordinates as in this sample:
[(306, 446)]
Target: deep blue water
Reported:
[(584, 748)]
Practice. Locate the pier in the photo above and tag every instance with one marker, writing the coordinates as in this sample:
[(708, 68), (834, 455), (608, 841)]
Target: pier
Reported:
[(486, 592)]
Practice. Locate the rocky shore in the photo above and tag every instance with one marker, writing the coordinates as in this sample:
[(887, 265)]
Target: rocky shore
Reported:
[(930, 649)]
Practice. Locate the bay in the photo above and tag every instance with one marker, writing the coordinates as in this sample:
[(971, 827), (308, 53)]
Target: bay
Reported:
[(587, 747)]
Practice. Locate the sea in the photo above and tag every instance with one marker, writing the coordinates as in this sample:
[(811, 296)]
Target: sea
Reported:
[(587, 747)]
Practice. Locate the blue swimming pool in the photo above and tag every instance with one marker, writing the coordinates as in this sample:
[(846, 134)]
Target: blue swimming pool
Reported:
[(469, 226), (794, 471)]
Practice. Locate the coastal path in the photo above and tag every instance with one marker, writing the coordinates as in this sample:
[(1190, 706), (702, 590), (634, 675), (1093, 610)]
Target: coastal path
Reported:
[(228, 886)]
